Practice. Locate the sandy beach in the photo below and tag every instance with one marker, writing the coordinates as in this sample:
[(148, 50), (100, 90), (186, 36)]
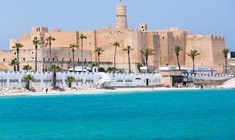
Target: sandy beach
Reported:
[(21, 92)]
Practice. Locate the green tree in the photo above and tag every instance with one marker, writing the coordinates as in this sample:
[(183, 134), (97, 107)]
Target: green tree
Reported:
[(28, 78), (70, 80), (73, 47), (99, 51), (27, 67), (36, 42), (193, 54), (54, 68), (138, 66), (14, 63), (94, 64), (177, 50), (115, 44), (225, 53), (146, 53), (111, 69), (128, 49), (17, 47), (49, 39), (101, 69), (82, 51)]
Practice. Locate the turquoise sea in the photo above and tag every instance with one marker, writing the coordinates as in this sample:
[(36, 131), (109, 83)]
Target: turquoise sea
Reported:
[(187, 114)]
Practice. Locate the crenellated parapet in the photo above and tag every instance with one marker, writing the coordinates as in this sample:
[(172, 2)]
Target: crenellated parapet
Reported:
[(204, 37), (39, 29)]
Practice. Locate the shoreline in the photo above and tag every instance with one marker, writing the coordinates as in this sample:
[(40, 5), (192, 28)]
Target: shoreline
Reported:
[(14, 92)]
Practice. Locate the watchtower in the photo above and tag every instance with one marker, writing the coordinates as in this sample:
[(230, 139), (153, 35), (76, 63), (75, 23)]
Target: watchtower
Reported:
[(121, 17)]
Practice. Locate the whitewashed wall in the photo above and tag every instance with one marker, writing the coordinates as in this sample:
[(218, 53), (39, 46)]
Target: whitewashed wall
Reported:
[(44, 79)]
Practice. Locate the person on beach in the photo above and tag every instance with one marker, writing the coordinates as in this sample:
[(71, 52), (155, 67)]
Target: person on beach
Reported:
[(46, 90)]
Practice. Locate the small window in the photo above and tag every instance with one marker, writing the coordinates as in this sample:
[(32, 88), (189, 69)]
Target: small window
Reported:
[(14, 53), (23, 59), (162, 37), (32, 52), (53, 59), (4, 59), (44, 59), (62, 59)]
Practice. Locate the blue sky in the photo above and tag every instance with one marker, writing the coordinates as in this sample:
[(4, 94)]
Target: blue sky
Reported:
[(215, 17)]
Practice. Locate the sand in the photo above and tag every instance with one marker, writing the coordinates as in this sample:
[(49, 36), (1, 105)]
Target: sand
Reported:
[(22, 92)]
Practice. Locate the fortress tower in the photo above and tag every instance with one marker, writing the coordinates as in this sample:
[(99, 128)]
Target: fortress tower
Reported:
[(121, 18)]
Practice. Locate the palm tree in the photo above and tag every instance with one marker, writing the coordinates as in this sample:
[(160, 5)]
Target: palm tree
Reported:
[(82, 53), (27, 67), (193, 54), (14, 63), (116, 44), (70, 80), (28, 78), (225, 53), (128, 49), (177, 50), (36, 42), (73, 47), (49, 39), (146, 53), (17, 47), (99, 51), (54, 68)]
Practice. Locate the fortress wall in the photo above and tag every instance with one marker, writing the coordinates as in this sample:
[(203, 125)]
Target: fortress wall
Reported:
[(122, 38), (153, 43), (143, 42), (210, 48), (218, 44), (40, 36), (177, 38), (132, 41), (164, 47), (7, 55), (62, 56), (25, 56), (105, 39), (203, 44), (90, 42), (168, 40), (12, 43), (137, 41), (62, 39), (25, 41)]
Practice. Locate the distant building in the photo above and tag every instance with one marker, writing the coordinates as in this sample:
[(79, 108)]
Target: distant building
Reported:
[(161, 41)]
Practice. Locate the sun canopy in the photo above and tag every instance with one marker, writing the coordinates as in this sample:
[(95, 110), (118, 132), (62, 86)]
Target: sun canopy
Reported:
[(204, 70)]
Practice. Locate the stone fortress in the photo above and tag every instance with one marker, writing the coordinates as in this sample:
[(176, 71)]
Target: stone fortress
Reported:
[(161, 41)]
